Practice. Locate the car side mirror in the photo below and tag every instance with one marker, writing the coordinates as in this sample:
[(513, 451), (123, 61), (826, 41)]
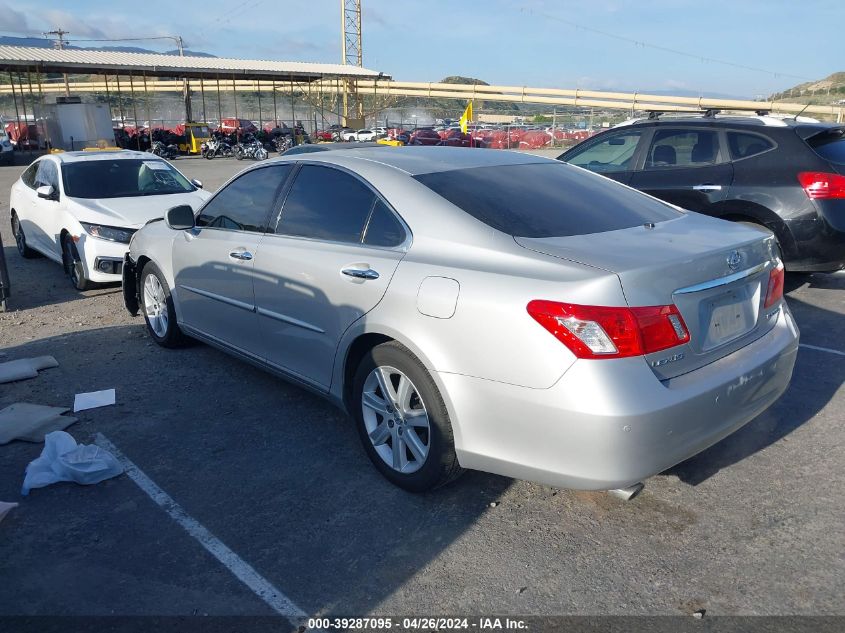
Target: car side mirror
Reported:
[(197, 183), (47, 192), (180, 218), (616, 141)]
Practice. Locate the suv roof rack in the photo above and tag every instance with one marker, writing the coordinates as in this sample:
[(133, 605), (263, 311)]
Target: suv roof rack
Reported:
[(707, 113)]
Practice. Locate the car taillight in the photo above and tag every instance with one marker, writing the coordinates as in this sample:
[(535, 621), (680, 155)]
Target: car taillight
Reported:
[(774, 292), (605, 332), (819, 185)]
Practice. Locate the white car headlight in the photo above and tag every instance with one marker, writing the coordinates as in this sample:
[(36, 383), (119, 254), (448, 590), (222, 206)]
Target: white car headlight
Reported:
[(111, 233)]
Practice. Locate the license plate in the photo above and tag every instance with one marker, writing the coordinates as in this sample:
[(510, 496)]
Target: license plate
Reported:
[(728, 319)]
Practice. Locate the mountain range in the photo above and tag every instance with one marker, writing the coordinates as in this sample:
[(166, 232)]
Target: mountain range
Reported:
[(42, 42)]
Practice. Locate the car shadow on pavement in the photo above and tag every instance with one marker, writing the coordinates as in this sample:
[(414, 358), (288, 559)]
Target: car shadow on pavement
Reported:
[(273, 471), (815, 381), (41, 282)]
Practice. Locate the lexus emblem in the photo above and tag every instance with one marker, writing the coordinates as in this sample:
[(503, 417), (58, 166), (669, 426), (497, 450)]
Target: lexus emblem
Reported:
[(734, 260)]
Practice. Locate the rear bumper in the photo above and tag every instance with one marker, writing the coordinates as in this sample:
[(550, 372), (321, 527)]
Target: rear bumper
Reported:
[(819, 239), (609, 424)]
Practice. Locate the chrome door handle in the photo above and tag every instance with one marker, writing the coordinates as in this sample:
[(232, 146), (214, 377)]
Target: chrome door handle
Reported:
[(243, 256), (369, 273), (707, 188)]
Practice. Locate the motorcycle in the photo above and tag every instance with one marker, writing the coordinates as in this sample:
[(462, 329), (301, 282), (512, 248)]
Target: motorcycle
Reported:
[(250, 148), (283, 143), (217, 147), (165, 151)]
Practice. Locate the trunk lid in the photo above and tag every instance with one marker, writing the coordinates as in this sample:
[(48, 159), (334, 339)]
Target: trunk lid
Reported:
[(715, 272)]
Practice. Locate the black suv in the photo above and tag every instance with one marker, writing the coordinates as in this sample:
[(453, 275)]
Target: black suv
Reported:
[(784, 174)]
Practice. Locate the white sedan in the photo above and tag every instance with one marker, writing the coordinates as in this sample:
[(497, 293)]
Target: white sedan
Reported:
[(80, 209), (366, 135)]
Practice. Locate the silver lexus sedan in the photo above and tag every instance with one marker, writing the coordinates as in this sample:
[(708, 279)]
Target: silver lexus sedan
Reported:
[(479, 309)]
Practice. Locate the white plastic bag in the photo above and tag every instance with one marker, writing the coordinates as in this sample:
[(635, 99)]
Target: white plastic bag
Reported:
[(64, 460)]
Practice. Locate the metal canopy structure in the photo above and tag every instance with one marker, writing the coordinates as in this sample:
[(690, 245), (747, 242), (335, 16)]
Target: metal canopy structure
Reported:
[(46, 60)]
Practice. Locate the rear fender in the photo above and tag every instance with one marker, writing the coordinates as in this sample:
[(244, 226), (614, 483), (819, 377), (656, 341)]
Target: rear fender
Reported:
[(750, 211)]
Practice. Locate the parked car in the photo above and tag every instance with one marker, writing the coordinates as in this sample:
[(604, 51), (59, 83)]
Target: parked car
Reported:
[(241, 126), (327, 147), (80, 209), (488, 310), (366, 135), (348, 135), (7, 151), (424, 136), (22, 135), (786, 175)]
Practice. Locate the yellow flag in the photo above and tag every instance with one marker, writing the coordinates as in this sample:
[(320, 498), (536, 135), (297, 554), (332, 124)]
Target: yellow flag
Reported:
[(467, 116)]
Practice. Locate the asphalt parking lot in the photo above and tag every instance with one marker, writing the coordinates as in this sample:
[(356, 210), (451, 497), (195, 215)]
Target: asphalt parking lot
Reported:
[(754, 525)]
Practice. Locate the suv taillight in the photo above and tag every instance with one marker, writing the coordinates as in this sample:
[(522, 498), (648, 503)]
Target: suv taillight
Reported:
[(605, 332), (774, 292), (819, 185)]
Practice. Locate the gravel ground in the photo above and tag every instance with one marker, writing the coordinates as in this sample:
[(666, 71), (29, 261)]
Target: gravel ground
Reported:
[(751, 526)]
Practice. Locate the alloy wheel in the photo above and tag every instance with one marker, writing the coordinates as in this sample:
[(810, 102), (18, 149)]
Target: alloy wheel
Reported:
[(20, 238), (396, 419), (155, 305)]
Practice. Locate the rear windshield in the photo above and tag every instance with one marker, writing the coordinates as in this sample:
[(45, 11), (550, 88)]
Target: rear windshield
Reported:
[(830, 146), (545, 199)]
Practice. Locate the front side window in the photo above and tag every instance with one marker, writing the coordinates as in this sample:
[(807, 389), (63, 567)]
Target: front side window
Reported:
[(682, 148), (245, 203), (28, 176), (743, 145), (47, 175), (326, 204), (614, 153), (122, 178)]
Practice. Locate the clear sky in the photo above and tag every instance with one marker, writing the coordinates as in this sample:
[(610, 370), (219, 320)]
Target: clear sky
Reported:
[(523, 42)]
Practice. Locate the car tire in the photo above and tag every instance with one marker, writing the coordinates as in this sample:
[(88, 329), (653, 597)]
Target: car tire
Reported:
[(412, 444), (20, 239), (73, 265), (157, 308)]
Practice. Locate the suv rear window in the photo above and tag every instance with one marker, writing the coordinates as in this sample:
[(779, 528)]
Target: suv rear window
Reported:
[(743, 145), (545, 200), (830, 146)]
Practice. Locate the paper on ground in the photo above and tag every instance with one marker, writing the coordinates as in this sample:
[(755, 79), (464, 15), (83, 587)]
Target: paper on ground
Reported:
[(25, 368), (31, 422), (64, 460), (93, 399)]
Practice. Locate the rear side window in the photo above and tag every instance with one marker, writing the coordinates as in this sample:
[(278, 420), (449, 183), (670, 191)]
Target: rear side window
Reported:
[(682, 148), (545, 200), (830, 146), (743, 145), (383, 229), (245, 203), (326, 204)]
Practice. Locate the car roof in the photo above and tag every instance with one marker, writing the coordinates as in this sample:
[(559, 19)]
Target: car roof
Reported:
[(767, 121), (120, 154), (329, 147), (416, 160)]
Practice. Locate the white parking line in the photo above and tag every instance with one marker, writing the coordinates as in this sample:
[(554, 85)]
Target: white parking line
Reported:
[(242, 570), (822, 349)]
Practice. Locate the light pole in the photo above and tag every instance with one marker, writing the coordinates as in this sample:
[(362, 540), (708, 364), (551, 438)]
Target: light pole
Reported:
[(60, 44)]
